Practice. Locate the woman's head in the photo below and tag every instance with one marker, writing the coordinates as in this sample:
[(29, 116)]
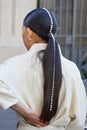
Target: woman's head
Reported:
[(39, 22)]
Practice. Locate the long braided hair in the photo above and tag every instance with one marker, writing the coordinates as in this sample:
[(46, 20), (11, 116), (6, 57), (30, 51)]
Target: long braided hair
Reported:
[(43, 23)]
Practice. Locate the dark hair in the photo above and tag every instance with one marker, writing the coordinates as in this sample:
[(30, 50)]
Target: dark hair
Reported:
[(39, 21)]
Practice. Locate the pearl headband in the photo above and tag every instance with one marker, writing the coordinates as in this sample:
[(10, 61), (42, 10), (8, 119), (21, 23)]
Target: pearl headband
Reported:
[(53, 82)]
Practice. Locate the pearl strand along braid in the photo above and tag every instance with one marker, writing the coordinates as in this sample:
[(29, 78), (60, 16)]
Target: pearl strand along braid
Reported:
[(53, 82)]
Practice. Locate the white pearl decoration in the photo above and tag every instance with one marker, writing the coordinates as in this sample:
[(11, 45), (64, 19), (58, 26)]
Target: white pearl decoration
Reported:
[(53, 82)]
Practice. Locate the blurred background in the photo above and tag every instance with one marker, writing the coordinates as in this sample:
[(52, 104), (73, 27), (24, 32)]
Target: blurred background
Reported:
[(71, 34), (72, 29)]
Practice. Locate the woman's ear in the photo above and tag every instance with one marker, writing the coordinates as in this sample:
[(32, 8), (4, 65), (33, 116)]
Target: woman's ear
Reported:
[(30, 33)]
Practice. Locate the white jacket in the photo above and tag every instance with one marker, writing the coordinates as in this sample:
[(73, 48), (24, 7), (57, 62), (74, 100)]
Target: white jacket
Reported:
[(21, 79)]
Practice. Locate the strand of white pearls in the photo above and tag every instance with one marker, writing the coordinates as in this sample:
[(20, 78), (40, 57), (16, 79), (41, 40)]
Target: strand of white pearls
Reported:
[(51, 25), (53, 82)]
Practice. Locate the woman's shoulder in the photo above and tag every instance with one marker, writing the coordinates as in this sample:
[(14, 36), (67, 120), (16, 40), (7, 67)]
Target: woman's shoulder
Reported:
[(69, 65), (17, 60)]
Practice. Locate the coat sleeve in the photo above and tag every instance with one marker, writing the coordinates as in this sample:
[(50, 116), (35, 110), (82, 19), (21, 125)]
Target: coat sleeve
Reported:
[(78, 102), (7, 96)]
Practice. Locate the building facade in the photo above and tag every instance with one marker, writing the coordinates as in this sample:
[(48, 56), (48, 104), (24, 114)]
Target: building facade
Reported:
[(12, 13), (72, 29)]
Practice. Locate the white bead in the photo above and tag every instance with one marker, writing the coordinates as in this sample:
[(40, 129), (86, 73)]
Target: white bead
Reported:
[(51, 106), (50, 109), (51, 99), (52, 93)]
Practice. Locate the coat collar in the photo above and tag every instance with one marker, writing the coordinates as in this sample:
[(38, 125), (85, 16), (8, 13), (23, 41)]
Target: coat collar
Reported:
[(41, 46)]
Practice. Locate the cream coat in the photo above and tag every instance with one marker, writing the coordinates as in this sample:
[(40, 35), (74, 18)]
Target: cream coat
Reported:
[(21, 79)]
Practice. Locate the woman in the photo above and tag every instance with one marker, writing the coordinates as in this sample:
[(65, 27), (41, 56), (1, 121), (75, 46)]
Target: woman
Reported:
[(42, 86)]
